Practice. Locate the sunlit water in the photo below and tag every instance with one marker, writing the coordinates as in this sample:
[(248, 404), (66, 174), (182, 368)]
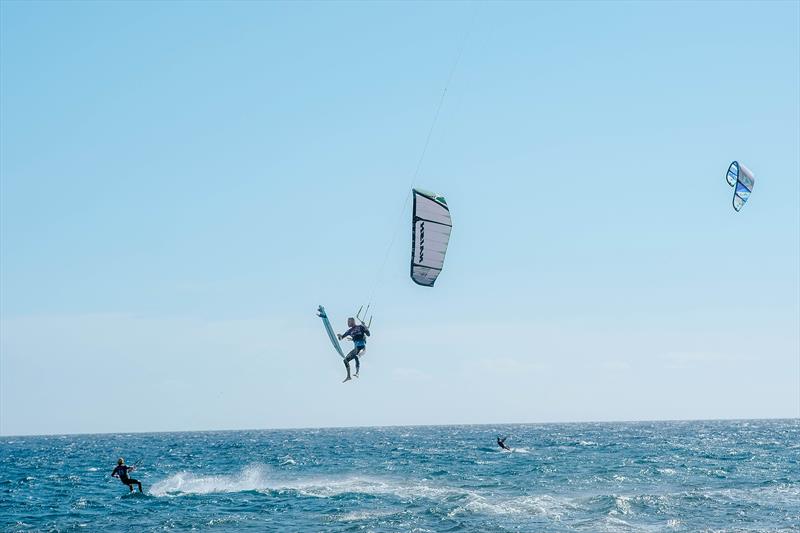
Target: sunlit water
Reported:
[(664, 476)]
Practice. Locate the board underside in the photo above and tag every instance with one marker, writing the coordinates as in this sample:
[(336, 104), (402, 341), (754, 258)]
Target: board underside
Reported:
[(331, 335)]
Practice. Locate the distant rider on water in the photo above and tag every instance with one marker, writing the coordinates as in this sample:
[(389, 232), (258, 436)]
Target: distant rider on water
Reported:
[(359, 336), (121, 471)]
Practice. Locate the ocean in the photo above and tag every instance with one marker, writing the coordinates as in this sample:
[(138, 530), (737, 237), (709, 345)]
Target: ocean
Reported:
[(644, 476)]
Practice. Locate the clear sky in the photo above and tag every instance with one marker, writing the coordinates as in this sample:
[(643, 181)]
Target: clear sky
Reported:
[(183, 183)]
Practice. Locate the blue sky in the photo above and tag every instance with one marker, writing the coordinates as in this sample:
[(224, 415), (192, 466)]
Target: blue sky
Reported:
[(181, 184)]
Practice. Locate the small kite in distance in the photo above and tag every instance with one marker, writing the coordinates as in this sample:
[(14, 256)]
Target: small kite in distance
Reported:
[(740, 177)]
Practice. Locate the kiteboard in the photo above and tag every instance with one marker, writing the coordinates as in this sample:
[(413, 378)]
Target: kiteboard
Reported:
[(331, 335)]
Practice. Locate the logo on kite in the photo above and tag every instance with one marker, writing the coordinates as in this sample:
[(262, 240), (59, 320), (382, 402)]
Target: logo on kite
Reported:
[(740, 177)]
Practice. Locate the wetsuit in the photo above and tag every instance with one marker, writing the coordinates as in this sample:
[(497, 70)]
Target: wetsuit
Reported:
[(502, 443), (359, 335), (121, 472)]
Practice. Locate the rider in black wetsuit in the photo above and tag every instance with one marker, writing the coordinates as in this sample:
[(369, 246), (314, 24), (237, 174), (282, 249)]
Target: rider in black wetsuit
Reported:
[(121, 471), (359, 335), (502, 443)]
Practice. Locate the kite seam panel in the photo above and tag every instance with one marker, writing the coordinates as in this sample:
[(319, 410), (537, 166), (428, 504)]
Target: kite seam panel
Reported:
[(417, 219)]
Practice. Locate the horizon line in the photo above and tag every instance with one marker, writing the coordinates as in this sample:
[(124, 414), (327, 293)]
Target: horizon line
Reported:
[(297, 428)]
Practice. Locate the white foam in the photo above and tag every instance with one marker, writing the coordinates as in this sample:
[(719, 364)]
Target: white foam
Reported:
[(253, 477), (622, 505), (259, 478), (81, 503), (328, 487), (540, 505), (460, 500), (357, 516), (617, 524), (221, 521)]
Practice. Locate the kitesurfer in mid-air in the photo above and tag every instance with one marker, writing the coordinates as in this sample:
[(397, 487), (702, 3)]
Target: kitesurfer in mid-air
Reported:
[(359, 334), (502, 443), (121, 471)]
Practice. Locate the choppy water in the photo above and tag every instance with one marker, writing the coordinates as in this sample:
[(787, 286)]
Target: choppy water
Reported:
[(664, 476)]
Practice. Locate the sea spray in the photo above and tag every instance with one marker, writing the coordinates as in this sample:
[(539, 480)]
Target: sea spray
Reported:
[(251, 478)]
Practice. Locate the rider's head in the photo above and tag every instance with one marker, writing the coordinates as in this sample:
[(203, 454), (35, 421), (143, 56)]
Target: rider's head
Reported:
[(120, 461), (351, 322)]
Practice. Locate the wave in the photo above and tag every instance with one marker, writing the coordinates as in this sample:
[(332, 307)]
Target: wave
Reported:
[(260, 478), (544, 505), (332, 487), (458, 500), (599, 511)]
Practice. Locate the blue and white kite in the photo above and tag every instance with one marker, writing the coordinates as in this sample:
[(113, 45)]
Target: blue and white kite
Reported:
[(740, 177)]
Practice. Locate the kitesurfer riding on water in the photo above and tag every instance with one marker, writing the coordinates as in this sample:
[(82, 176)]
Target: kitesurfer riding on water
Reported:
[(121, 471), (502, 443), (359, 336)]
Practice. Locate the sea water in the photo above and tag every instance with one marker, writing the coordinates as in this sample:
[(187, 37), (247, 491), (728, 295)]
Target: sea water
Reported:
[(647, 476)]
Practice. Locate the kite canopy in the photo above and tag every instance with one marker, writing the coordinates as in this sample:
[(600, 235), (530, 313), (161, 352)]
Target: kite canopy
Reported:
[(740, 177), (431, 227)]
